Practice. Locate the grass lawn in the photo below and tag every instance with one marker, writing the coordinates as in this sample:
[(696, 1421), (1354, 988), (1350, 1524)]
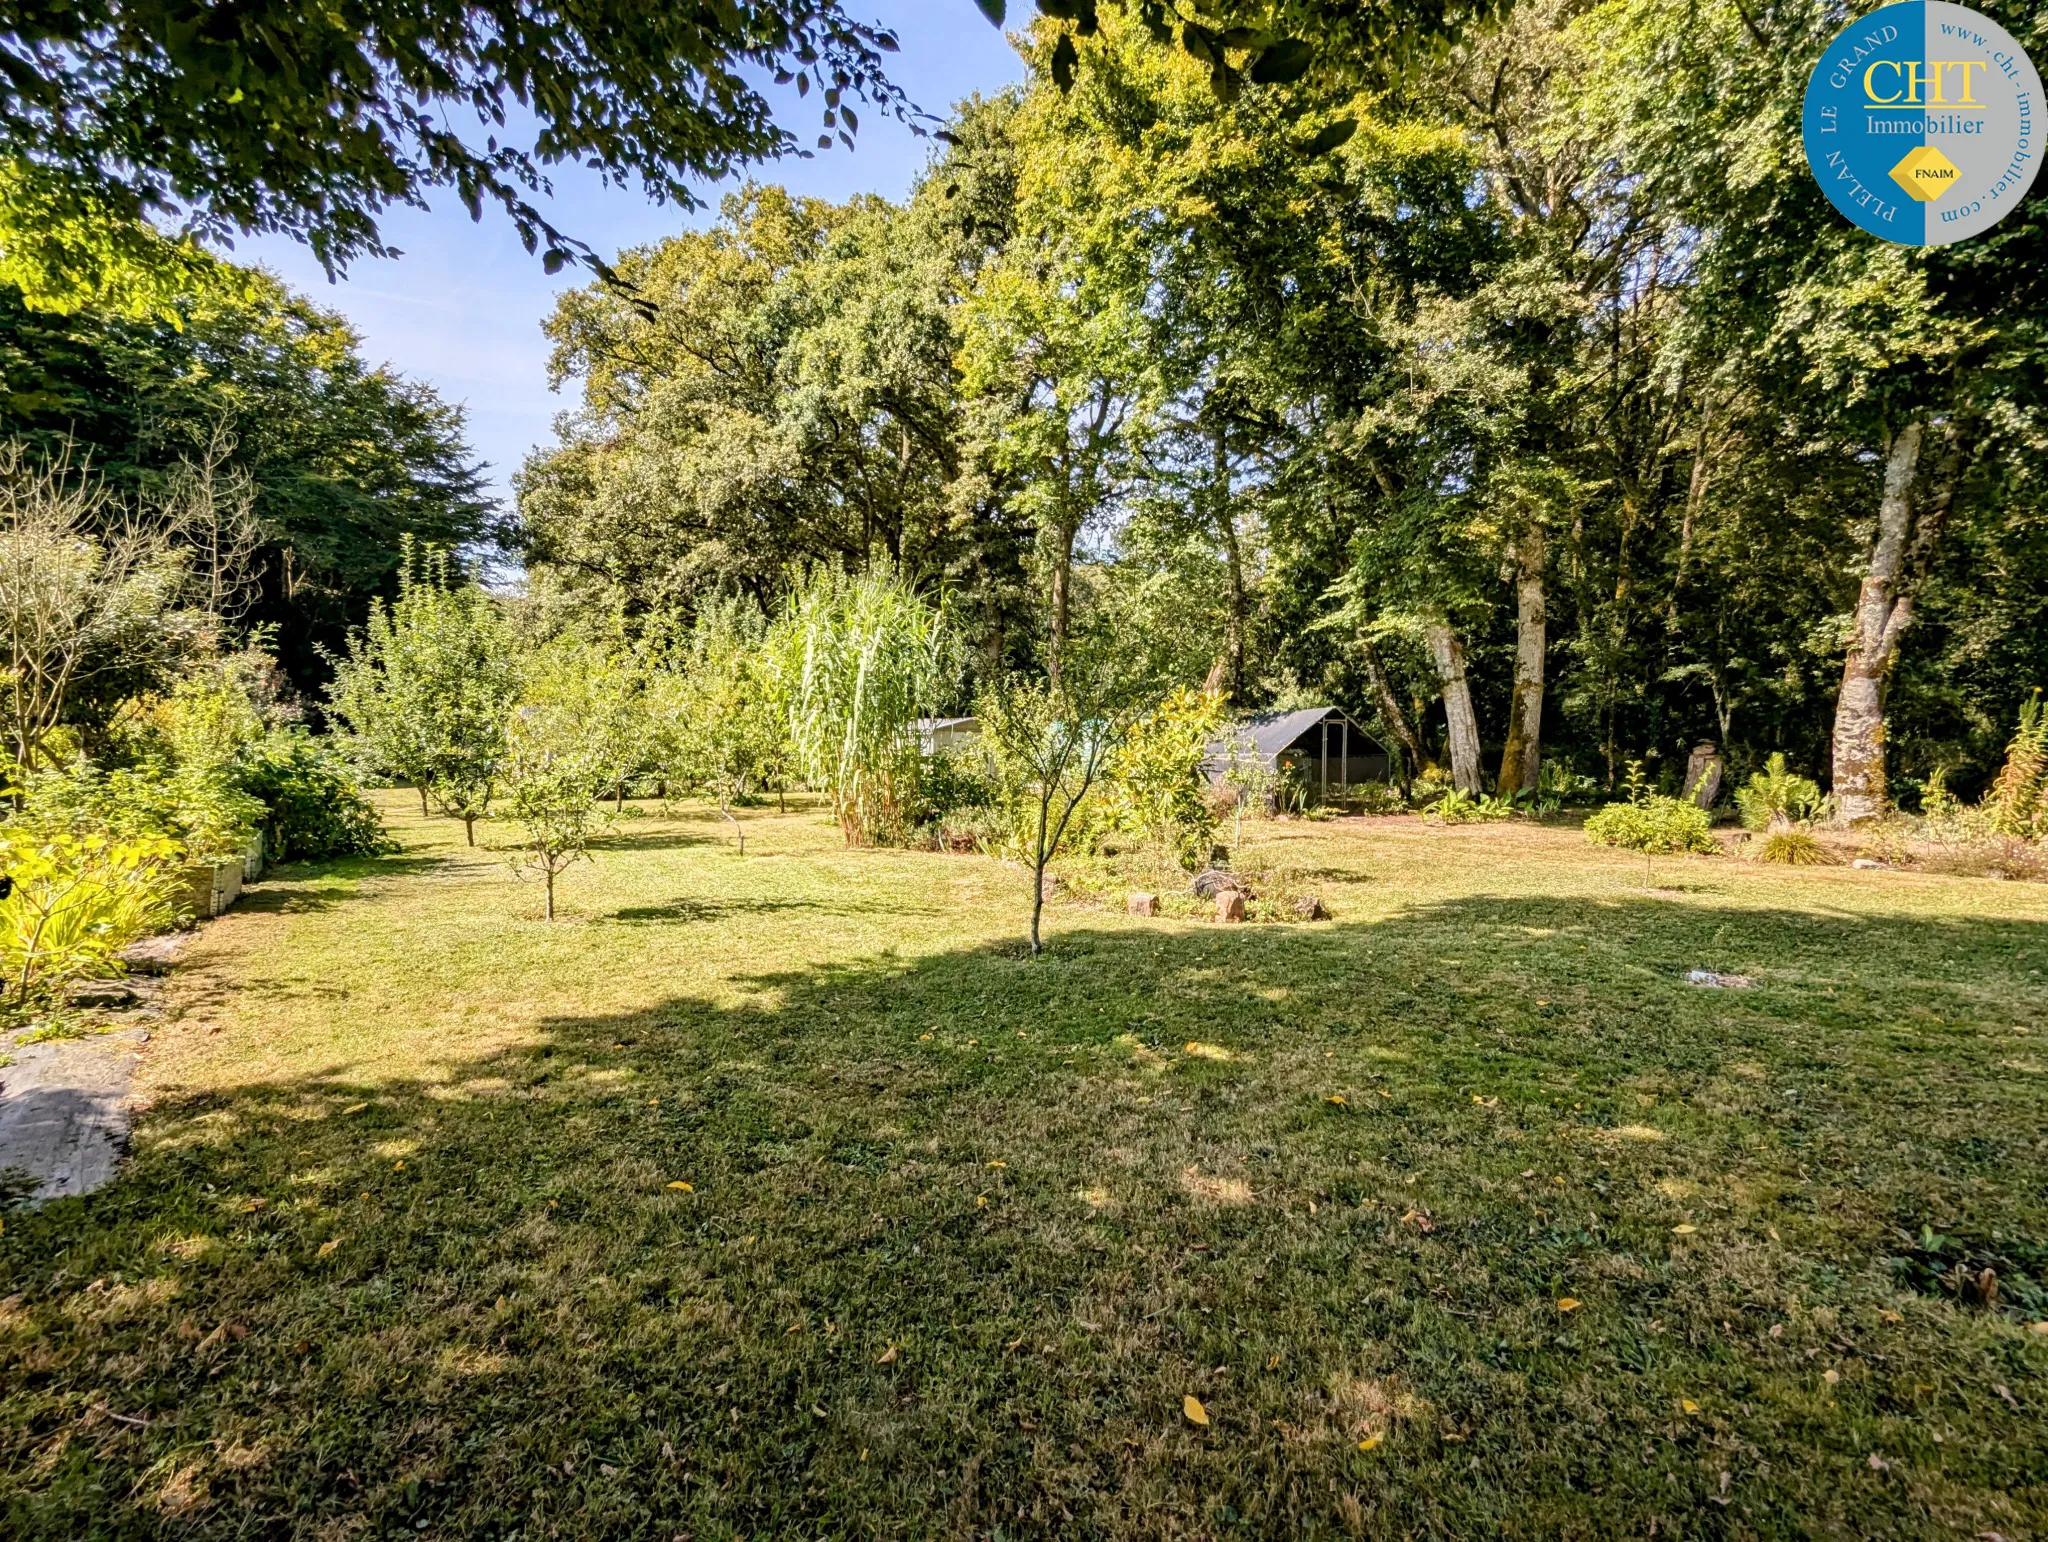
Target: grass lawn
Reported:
[(784, 1197)]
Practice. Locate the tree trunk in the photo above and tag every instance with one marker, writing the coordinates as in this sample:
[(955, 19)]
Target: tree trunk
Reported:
[(1449, 654), (1521, 759), (1884, 609), (1391, 715), (1233, 556), (549, 911), (421, 788), (1039, 857), (1062, 574), (469, 828)]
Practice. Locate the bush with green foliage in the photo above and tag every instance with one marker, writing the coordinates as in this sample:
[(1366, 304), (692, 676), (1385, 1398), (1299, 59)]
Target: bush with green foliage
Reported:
[(1155, 784), (202, 810), (314, 806), (76, 898), (1776, 795), (951, 782), (1458, 808), (1653, 823)]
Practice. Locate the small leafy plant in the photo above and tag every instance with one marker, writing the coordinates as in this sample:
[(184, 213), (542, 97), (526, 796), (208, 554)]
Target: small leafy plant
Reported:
[(1652, 823), (77, 899), (1776, 796)]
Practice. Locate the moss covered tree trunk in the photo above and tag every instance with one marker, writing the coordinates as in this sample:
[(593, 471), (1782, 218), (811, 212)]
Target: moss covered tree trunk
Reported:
[(1462, 722)]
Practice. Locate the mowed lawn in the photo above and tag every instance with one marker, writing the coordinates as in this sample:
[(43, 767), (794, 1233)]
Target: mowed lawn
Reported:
[(784, 1197)]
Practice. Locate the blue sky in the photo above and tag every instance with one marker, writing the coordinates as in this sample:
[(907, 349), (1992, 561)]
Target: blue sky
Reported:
[(462, 307)]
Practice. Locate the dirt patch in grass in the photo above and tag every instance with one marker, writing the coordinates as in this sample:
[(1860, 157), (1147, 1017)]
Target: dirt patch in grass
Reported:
[(784, 1196)]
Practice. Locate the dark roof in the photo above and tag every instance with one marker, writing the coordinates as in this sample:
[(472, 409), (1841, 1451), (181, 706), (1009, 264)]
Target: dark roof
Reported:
[(1272, 732)]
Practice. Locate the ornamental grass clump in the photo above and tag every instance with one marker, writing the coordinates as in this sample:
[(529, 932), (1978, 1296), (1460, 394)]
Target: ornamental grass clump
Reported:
[(1793, 847), (862, 658)]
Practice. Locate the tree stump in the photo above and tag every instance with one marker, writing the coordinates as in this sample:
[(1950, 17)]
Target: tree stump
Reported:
[(1703, 772), (1230, 906), (1142, 904)]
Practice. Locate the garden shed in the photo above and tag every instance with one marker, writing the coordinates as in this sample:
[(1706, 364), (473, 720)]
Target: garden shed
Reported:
[(936, 735), (1321, 748)]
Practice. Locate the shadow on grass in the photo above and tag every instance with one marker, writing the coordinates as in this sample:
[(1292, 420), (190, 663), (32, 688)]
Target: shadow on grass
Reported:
[(723, 907), (625, 838), (938, 1247), (294, 888)]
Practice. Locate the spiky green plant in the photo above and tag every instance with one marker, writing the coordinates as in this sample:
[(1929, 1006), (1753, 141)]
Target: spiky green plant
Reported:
[(1794, 847), (1776, 794)]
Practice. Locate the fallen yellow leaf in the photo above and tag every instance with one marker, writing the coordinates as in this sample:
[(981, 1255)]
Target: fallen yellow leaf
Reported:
[(999, 1164), (1193, 1408), (1683, 1231), (329, 1246), (1890, 1316), (981, 1201), (683, 1188), (1339, 1101), (1688, 1405), (888, 1356), (398, 1167), (1567, 1303), (1368, 1443), (354, 1108)]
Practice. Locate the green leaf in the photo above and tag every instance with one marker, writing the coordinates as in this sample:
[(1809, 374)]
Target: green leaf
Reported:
[(1333, 135), (1287, 60), (555, 260), (993, 10), (1063, 61)]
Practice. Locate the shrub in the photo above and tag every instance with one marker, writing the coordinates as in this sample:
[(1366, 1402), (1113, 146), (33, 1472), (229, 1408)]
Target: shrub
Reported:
[(77, 899), (1459, 808), (313, 807), (1377, 798), (1776, 794), (950, 782), (1793, 847), (1558, 786), (1652, 824), (200, 809), (1156, 784)]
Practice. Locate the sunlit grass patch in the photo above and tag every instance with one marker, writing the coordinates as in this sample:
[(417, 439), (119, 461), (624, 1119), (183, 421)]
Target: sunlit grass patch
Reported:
[(401, 1246)]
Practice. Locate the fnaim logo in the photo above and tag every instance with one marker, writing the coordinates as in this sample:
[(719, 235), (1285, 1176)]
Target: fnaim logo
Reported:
[(1923, 122)]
